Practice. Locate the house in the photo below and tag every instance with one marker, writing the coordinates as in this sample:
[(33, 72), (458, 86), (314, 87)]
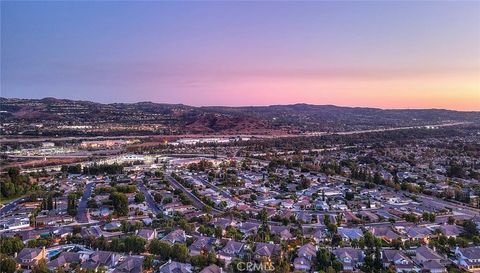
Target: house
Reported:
[(308, 251), (99, 259), (385, 233), (350, 258), (28, 235), (15, 223), (305, 255), (282, 231), (94, 231), (419, 233), (213, 268), (176, 236), (265, 251), (112, 226), (62, 232), (224, 223), (248, 228), (202, 245), (433, 267), (65, 259), (318, 235), (397, 259), (131, 264), (424, 256), (29, 257), (451, 230), (175, 267), (147, 234), (350, 233), (304, 217), (468, 258), (322, 205), (231, 250), (302, 264)]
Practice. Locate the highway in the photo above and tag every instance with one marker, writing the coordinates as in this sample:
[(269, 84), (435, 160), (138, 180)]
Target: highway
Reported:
[(17, 139)]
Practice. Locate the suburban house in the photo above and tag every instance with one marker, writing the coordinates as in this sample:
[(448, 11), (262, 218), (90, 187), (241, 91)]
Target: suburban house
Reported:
[(147, 234), (176, 236), (131, 264), (213, 268), (29, 257), (99, 259), (202, 245), (282, 231), (468, 258), (265, 251), (430, 261), (396, 258), (231, 250), (175, 267), (305, 255), (350, 258), (350, 233), (64, 260)]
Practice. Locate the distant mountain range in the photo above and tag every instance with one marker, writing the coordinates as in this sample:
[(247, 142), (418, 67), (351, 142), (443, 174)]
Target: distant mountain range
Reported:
[(179, 118)]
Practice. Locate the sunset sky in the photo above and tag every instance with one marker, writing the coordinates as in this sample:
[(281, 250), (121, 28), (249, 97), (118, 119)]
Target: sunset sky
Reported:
[(387, 54)]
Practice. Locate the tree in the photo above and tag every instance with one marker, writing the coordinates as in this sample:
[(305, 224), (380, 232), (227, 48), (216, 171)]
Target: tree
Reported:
[(349, 195), (337, 265), (14, 184), (72, 204), (470, 229), (179, 252), (8, 265), (120, 203), (264, 229), (157, 197), (135, 244), (282, 266), (324, 259), (330, 269), (160, 248), (41, 267), (10, 246), (148, 262), (139, 197)]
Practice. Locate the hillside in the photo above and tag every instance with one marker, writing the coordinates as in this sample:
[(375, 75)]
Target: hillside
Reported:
[(144, 117)]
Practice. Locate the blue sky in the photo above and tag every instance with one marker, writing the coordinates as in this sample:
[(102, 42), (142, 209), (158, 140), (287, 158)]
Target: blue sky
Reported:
[(413, 54)]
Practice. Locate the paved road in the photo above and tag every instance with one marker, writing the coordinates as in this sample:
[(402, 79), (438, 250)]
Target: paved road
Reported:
[(10, 206), (196, 201), (82, 211), (42, 139), (148, 197), (205, 181)]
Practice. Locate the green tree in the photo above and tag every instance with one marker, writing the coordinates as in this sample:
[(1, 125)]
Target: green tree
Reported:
[(8, 264), (72, 204), (139, 197), (120, 203), (148, 262), (161, 248), (10, 245), (135, 244), (179, 252), (470, 229), (41, 267)]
